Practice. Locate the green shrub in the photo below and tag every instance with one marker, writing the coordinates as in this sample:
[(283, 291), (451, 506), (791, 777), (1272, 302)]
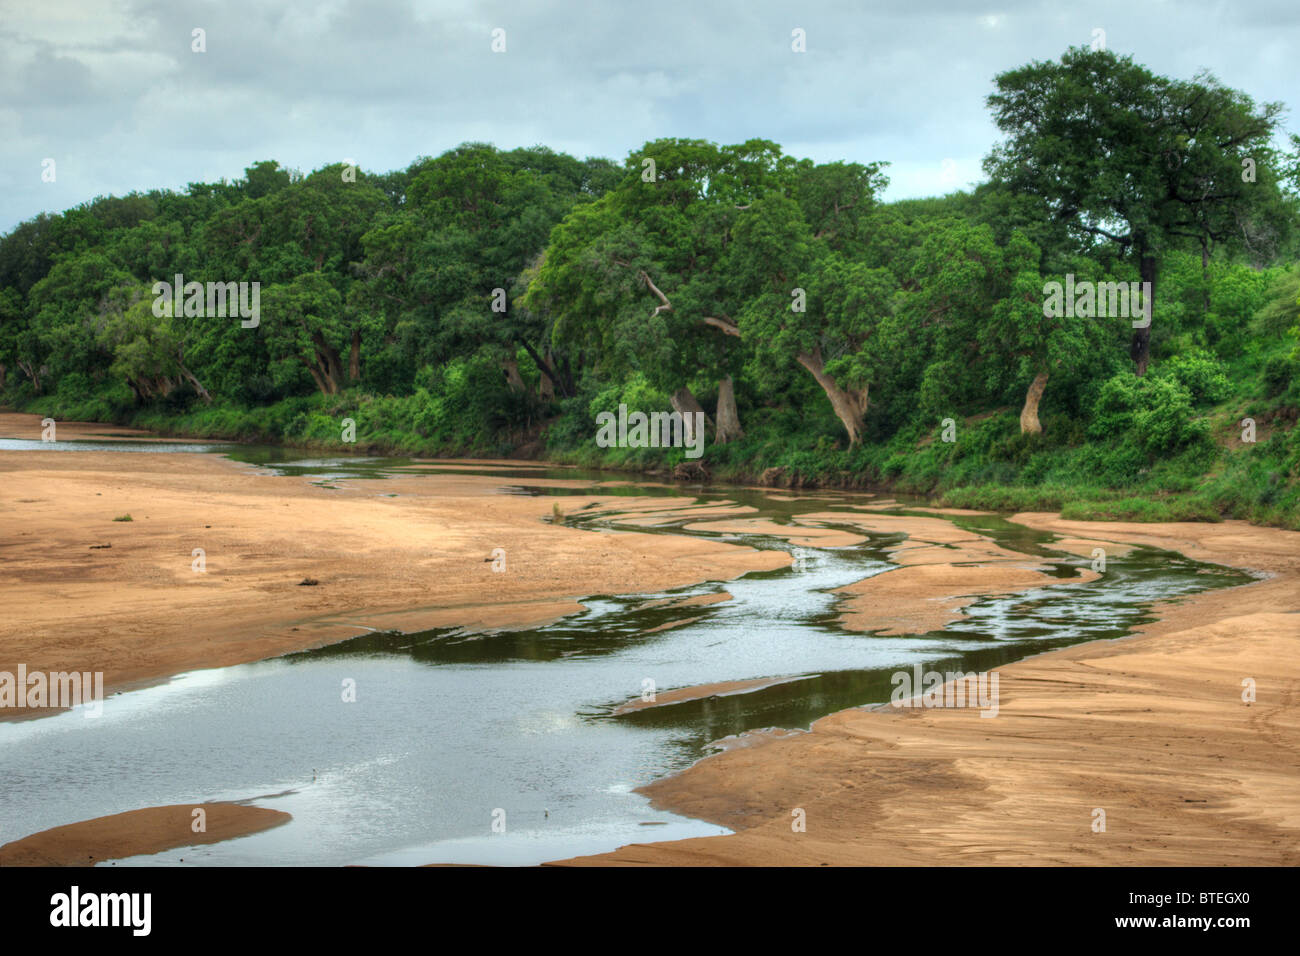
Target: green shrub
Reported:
[(1156, 411), (1164, 423), (1277, 375), (1201, 374)]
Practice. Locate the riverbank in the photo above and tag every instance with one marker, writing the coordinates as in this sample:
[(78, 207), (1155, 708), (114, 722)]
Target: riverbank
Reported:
[(1151, 730), (1216, 476), (1104, 726), (84, 591), (139, 832)]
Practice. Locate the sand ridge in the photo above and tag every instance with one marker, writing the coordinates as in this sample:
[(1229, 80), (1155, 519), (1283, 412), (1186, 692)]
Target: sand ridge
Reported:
[(137, 832)]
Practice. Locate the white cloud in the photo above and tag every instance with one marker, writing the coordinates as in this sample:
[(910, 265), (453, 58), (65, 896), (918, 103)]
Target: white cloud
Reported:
[(111, 89)]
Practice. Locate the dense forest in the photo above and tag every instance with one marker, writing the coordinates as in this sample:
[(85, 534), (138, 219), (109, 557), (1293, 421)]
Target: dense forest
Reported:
[(494, 302)]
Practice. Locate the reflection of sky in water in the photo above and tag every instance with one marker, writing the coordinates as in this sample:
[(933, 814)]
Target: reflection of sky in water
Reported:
[(22, 444), (447, 728)]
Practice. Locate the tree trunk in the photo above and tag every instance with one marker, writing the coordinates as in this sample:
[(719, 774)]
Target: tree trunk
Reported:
[(1140, 349), (334, 370), (2, 376), (850, 405), (198, 387), (513, 378), (546, 381), (320, 381), (329, 363), (1029, 423), (550, 381), (728, 417), (33, 373), (354, 360), (684, 401)]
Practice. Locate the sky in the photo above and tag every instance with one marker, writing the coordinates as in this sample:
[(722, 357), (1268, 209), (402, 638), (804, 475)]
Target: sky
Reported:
[(115, 94)]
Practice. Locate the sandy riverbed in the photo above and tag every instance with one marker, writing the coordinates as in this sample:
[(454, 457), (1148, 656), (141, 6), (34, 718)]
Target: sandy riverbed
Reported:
[(136, 832), (140, 612), (1152, 730)]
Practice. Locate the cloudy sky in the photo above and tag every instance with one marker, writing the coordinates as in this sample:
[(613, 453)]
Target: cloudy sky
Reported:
[(112, 91)]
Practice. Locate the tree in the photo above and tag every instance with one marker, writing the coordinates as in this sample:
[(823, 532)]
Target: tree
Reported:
[(809, 304), (1122, 155), (148, 350), (1040, 346), (642, 273), (304, 325), (11, 326), (265, 177), (65, 309)]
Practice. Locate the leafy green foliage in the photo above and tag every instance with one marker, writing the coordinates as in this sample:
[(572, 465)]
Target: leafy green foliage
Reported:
[(494, 302)]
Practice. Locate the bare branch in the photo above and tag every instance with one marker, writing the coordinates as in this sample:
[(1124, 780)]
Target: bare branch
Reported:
[(726, 325)]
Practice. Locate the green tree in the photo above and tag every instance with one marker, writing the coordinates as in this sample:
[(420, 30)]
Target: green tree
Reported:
[(807, 303), (1122, 155), (148, 349), (304, 325)]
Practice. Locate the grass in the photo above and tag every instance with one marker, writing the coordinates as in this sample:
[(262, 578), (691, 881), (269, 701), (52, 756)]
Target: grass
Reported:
[(1202, 471)]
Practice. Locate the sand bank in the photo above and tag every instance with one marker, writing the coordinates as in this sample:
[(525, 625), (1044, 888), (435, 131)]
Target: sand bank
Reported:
[(137, 832), (1152, 731), (139, 611)]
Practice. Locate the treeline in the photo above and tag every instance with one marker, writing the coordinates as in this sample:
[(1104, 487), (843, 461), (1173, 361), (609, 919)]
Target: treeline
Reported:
[(495, 301)]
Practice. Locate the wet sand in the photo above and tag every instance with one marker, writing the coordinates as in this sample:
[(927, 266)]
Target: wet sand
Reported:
[(943, 569), (140, 612), (701, 692), (1152, 731), (137, 832)]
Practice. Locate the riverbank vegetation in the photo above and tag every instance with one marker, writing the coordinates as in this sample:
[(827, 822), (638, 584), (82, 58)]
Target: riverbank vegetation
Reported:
[(492, 302)]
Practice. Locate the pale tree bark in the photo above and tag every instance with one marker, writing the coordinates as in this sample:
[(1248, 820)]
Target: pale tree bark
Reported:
[(146, 388), (728, 418), (1029, 423), (198, 386), (513, 378), (328, 364), (354, 360), (728, 422), (850, 404), (327, 370), (33, 373), (552, 379), (684, 401)]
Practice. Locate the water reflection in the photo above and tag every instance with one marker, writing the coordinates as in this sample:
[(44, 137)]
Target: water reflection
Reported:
[(449, 727)]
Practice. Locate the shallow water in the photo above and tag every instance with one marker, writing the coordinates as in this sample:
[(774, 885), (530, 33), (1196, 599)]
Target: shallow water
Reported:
[(451, 731), (156, 447)]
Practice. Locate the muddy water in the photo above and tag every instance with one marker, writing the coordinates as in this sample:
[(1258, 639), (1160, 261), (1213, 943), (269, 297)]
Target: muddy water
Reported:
[(453, 737)]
